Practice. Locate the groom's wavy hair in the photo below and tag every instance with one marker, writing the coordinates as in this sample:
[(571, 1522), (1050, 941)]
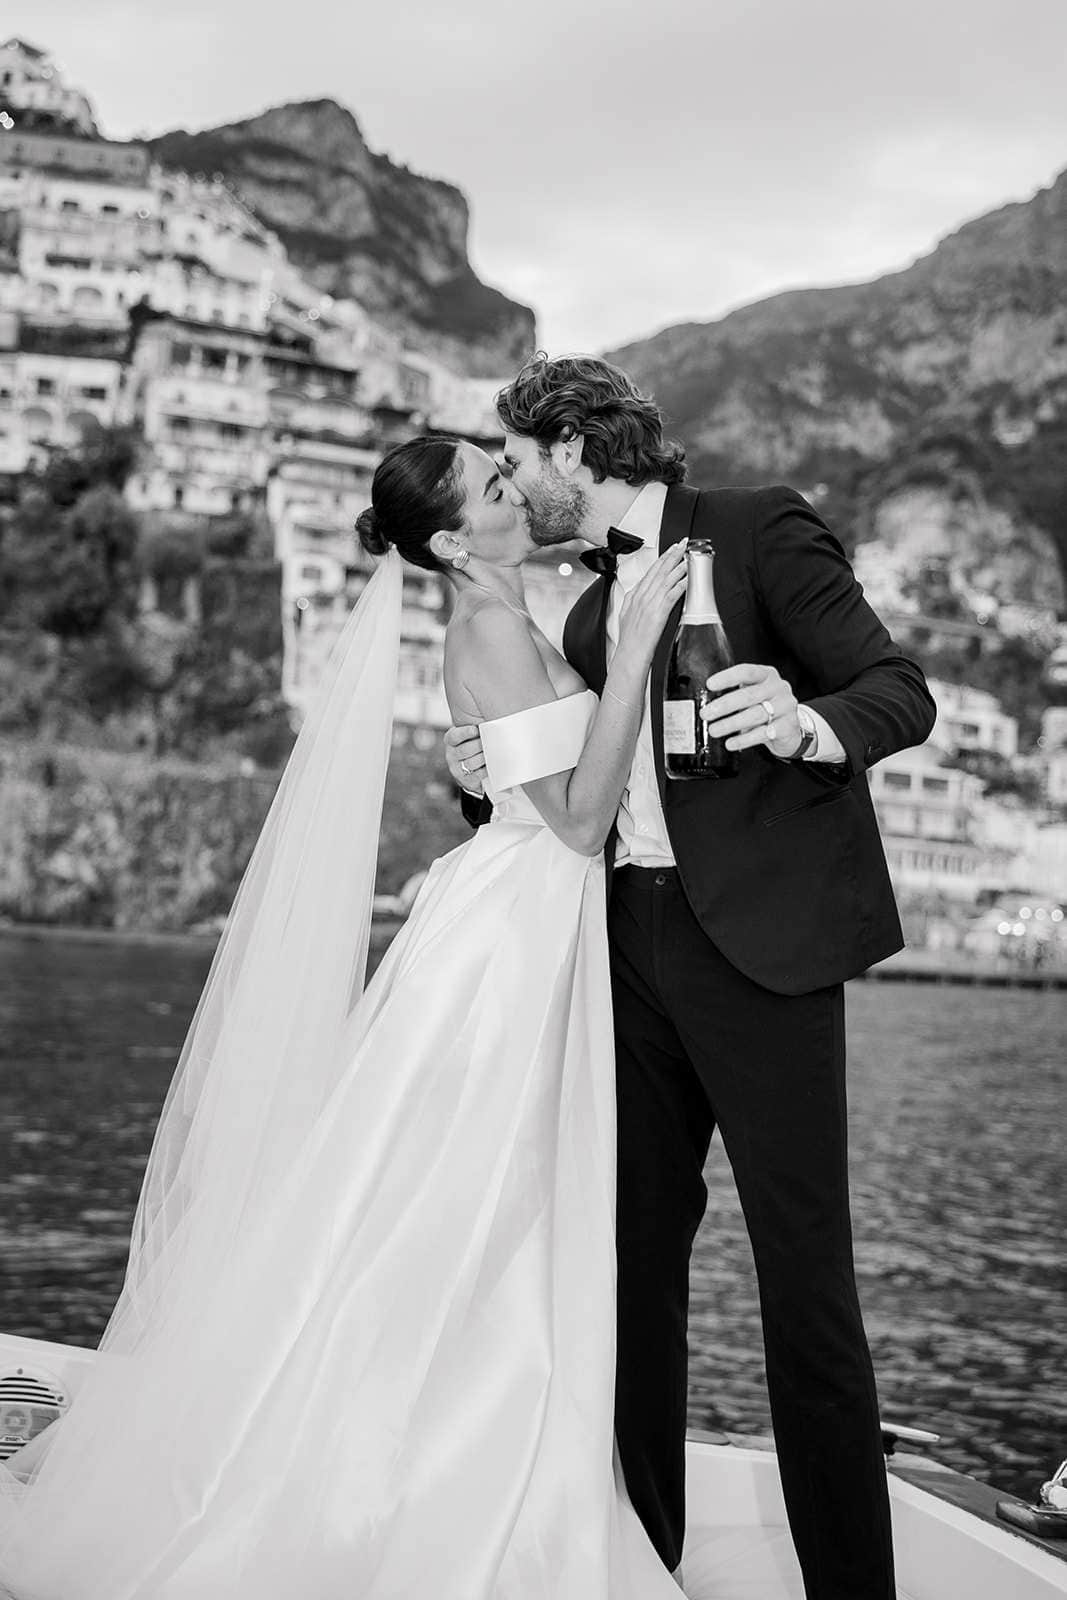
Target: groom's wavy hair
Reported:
[(622, 428)]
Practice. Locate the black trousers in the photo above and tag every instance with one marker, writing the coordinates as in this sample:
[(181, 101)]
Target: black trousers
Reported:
[(698, 1045)]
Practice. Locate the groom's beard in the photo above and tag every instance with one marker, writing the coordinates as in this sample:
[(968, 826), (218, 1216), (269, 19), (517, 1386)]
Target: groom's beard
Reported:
[(556, 510)]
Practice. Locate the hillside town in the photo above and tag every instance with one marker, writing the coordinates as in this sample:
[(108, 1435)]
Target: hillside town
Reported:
[(134, 295)]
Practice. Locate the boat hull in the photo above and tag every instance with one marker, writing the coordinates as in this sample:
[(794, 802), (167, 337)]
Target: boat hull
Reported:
[(947, 1541)]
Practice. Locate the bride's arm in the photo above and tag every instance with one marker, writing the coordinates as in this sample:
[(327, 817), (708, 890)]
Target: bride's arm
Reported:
[(504, 673)]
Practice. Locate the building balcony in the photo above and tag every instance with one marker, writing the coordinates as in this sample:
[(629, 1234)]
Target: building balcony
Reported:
[(58, 333), (299, 458), (206, 459), (216, 410)]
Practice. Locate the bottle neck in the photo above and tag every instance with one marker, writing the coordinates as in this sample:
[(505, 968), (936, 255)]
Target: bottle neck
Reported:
[(700, 603)]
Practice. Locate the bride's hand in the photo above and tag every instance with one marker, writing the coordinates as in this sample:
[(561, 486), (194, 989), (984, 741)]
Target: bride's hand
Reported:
[(648, 605), (465, 758)]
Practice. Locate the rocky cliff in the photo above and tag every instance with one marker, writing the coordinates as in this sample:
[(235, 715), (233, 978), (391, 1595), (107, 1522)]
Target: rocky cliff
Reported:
[(103, 839), (929, 405), (362, 226)]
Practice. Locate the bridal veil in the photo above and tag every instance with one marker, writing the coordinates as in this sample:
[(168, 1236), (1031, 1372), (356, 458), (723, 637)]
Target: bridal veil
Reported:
[(262, 1055)]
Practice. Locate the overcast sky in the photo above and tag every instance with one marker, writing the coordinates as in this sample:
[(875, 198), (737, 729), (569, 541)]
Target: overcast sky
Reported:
[(631, 166)]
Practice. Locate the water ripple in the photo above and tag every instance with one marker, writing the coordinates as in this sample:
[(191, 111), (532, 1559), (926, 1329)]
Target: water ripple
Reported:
[(957, 1111)]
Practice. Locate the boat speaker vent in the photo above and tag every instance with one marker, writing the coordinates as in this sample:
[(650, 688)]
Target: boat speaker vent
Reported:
[(31, 1399)]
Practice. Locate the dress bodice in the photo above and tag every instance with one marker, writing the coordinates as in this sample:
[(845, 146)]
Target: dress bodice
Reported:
[(533, 744)]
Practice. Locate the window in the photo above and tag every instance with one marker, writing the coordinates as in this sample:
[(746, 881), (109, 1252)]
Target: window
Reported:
[(935, 785), (69, 205), (37, 423), (896, 780), (93, 391), (46, 386), (180, 424)]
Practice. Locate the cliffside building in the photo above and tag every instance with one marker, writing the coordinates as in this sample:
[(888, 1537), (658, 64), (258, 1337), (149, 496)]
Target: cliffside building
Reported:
[(971, 719), (129, 293), (926, 815), (32, 86)]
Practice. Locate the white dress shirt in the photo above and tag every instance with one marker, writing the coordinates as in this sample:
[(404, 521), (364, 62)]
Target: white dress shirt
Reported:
[(643, 838)]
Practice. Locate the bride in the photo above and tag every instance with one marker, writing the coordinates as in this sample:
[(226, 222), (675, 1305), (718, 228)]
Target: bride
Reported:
[(365, 1343)]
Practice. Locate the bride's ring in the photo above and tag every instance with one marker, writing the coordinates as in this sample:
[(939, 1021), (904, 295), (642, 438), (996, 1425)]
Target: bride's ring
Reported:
[(463, 767), (769, 710)]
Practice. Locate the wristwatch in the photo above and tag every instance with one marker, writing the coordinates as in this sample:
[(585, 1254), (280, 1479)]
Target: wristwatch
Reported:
[(809, 735)]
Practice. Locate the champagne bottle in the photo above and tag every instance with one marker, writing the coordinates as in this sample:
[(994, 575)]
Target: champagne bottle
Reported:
[(700, 648)]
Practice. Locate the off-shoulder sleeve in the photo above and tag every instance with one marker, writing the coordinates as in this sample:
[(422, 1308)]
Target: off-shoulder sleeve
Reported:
[(535, 743)]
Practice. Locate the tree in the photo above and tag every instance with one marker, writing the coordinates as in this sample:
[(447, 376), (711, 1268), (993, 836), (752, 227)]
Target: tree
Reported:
[(79, 569), (70, 543), (104, 456)]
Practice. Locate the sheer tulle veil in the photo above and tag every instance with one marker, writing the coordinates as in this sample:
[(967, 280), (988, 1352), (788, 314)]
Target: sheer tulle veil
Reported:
[(263, 1054)]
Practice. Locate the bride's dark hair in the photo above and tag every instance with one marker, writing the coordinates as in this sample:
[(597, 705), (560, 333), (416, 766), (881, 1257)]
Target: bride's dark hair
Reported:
[(417, 491)]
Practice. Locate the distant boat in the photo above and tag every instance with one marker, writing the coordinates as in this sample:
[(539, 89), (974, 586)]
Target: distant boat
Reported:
[(950, 1543)]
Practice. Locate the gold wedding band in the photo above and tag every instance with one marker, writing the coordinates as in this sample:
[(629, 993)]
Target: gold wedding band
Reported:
[(463, 767), (768, 711)]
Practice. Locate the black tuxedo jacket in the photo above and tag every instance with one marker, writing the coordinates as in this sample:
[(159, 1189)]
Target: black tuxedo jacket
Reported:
[(783, 865)]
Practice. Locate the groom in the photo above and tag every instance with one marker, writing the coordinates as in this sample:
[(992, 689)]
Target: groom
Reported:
[(736, 912)]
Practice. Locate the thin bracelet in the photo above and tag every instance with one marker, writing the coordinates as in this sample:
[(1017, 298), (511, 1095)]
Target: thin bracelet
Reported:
[(619, 698)]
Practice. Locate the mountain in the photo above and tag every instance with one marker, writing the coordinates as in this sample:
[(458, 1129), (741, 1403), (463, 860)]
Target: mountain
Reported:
[(926, 411), (359, 225)]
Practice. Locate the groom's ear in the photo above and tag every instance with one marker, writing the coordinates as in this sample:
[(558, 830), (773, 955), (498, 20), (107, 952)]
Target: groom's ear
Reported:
[(567, 452)]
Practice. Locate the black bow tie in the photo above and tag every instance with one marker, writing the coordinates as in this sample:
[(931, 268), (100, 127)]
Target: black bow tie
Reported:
[(605, 557)]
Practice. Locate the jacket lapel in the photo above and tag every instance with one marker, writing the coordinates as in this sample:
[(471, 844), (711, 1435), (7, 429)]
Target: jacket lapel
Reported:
[(678, 514), (585, 634)]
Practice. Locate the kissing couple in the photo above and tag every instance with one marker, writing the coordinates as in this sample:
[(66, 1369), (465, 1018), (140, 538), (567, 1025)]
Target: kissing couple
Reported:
[(405, 1309)]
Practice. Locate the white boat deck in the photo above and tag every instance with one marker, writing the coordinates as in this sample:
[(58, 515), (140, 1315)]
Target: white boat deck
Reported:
[(746, 1563), (738, 1545)]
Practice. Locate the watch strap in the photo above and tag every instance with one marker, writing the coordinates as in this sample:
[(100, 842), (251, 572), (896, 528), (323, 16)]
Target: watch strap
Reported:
[(809, 737)]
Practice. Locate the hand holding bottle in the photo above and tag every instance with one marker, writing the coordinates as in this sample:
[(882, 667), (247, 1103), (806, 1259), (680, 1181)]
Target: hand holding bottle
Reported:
[(750, 704)]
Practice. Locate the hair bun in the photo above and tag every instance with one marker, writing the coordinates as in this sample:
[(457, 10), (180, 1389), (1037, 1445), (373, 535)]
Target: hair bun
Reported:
[(371, 534)]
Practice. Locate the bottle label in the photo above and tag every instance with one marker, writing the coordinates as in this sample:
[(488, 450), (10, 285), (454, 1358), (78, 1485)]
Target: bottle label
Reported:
[(679, 728)]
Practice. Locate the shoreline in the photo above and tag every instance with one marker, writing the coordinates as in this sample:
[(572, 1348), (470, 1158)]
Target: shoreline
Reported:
[(910, 966), (927, 967), (381, 930)]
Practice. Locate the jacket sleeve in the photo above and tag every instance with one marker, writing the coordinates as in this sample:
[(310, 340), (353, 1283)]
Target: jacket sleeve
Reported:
[(476, 809), (874, 697)]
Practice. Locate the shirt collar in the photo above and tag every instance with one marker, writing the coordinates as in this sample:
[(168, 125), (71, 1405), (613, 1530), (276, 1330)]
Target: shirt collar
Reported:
[(645, 516)]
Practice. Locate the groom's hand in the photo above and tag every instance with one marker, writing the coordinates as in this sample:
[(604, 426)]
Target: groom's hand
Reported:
[(466, 763), (756, 706)]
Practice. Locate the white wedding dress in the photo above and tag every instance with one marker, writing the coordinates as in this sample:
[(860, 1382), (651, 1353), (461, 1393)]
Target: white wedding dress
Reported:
[(402, 1387)]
